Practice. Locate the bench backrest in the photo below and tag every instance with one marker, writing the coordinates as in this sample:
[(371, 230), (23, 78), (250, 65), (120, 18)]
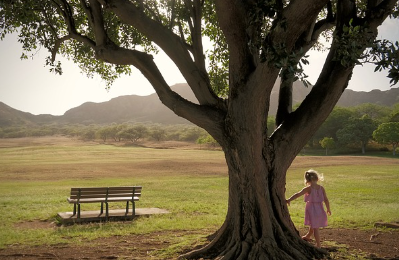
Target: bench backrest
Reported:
[(105, 192)]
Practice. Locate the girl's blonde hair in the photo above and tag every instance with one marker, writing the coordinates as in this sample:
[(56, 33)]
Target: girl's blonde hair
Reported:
[(312, 175)]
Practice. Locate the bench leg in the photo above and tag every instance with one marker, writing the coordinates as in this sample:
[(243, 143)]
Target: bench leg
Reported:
[(102, 208), (78, 210), (74, 209), (127, 207), (133, 209), (106, 211)]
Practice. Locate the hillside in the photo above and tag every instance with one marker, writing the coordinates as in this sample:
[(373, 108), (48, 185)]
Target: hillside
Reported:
[(12, 117), (130, 108), (135, 108)]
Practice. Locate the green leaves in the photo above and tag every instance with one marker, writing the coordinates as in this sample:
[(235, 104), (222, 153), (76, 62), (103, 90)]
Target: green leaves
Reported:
[(357, 130), (351, 44), (290, 63), (385, 55), (52, 25), (55, 67), (387, 133)]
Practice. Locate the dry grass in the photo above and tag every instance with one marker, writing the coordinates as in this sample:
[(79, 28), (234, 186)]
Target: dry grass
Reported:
[(58, 158), (116, 161)]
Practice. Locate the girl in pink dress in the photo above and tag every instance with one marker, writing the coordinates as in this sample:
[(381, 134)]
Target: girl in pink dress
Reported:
[(315, 215)]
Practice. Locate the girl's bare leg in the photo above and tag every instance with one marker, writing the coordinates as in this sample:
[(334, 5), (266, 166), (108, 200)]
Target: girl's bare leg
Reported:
[(317, 236), (309, 234)]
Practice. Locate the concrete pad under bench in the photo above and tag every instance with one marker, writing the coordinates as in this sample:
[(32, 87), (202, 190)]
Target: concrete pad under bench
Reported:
[(114, 215)]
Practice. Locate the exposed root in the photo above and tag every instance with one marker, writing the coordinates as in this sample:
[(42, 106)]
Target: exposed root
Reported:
[(260, 250)]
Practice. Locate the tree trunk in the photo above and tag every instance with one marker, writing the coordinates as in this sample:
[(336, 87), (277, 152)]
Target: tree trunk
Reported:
[(257, 225)]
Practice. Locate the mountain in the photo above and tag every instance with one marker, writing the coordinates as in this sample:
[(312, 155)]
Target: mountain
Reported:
[(135, 108), (352, 98), (130, 108), (12, 117)]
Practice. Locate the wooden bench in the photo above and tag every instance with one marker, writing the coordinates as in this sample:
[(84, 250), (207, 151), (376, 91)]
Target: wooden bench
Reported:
[(105, 195)]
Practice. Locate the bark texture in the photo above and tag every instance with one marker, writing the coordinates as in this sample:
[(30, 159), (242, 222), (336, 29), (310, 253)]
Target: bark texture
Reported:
[(257, 224)]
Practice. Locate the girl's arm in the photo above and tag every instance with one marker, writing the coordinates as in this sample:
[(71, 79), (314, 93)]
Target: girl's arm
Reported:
[(326, 201), (298, 194)]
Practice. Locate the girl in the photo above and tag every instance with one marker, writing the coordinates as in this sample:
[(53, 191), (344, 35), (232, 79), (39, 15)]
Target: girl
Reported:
[(315, 216)]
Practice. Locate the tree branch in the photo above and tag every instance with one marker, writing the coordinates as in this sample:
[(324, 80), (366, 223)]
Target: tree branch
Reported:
[(173, 46), (296, 19), (107, 51), (66, 11), (57, 45), (302, 46), (232, 17), (97, 21), (378, 13), (346, 11), (172, 15), (203, 116), (195, 28), (325, 93)]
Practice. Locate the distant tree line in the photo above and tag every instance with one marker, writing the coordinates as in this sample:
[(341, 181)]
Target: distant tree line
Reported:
[(126, 132), (353, 128), (356, 127)]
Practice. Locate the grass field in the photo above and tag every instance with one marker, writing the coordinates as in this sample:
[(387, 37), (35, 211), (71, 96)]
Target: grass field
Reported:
[(36, 177)]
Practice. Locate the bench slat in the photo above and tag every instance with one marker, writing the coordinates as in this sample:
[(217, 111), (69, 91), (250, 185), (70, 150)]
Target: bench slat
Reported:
[(124, 199), (94, 200), (121, 193), (105, 188), (90, 200), (89, 189)]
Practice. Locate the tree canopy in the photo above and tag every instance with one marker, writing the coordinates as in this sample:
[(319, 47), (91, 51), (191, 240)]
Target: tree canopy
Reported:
[(388, 133), (357, 130), (327, 143), (254, 43)]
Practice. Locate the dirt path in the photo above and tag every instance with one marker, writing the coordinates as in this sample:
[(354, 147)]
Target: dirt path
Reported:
[(371, 244)]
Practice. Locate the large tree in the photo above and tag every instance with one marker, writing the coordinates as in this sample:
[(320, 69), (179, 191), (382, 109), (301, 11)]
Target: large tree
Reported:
[(254, 42)]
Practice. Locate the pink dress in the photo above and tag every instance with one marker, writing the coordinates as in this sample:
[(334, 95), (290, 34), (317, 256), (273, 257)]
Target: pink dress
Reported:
[(315, 215)]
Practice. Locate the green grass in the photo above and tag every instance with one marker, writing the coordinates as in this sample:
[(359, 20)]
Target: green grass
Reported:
[(191, 184), (29, 201)]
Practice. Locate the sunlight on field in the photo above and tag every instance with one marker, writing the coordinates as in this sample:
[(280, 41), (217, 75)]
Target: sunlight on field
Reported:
[(36, 177)]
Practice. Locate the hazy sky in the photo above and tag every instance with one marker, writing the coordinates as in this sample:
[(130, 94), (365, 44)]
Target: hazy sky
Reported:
[(27, 85)]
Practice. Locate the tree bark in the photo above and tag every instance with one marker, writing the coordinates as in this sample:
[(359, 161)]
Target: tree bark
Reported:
[(257, 224)]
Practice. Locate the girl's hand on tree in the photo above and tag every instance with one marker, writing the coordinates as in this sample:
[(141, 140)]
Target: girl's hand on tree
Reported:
[(288, 202)]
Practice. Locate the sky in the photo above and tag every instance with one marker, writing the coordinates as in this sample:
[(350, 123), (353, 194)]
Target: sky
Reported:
[(28, 86)]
